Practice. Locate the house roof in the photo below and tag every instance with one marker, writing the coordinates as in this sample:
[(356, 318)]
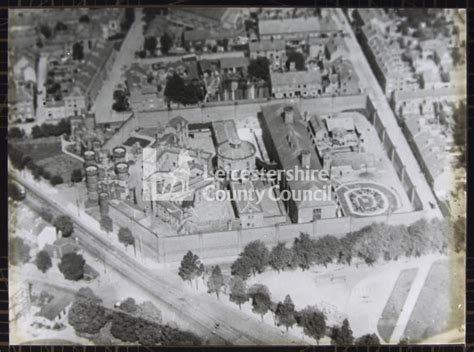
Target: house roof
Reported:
[(267, 45), (297, 25), (53, 308), (231, 62), (295, 78)]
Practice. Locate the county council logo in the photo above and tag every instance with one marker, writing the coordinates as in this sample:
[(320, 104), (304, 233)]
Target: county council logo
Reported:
[(171, 185)]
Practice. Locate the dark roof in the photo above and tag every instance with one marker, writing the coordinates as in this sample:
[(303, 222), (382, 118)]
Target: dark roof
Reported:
[(289, 156), (267, 45), (231, 62), (53, 308)]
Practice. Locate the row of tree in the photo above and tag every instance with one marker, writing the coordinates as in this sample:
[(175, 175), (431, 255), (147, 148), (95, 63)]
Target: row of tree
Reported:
[(370, 244), (310, 319), (130, 323), (50, 129)]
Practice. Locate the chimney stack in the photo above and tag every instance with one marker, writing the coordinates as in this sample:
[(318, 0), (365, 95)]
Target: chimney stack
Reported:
[(288, 114), (305, 159)]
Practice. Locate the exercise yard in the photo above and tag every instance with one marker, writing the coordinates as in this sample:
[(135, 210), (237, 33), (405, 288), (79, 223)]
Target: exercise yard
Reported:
[(384, 182), (367, 199)]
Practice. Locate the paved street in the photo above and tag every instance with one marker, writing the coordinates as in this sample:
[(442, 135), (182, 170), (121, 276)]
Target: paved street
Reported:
[(370, 84), (200, 310), (133, 41)]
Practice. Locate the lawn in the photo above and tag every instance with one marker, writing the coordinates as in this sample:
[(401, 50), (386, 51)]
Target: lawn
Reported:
[(39, 150), (395, 303), (436, 310), (62, 165)]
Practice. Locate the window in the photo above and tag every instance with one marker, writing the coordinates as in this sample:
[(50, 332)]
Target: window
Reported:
[(316, 214)]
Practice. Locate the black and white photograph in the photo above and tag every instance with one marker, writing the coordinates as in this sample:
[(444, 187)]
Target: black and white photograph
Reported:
[(216, 176)]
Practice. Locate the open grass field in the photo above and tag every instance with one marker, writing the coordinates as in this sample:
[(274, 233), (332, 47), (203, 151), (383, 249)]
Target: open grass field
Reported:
[(440, 305), (395, 303)]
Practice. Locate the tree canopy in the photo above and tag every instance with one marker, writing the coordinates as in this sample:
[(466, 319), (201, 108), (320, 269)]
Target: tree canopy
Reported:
[(261, 300), (43, 261), (238, 291), (216, 281), (72, 266), (64, 224), (285, 313)]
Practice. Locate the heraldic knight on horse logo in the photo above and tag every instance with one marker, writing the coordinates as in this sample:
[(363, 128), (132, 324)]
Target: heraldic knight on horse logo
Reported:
[(166, 177)]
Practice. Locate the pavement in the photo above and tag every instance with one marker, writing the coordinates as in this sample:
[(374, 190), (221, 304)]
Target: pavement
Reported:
[(371, 86), (133, 41), (200, 310)]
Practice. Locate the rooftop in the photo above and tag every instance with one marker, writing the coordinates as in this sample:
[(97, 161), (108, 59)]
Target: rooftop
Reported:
[(295, 78), (267, 45), (289, 154), (297, 25)]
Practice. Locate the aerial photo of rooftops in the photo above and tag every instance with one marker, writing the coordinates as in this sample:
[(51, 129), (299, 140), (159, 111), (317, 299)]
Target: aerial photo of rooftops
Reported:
[(236, 176)]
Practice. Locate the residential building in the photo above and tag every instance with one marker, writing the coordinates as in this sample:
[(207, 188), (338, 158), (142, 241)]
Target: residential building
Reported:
[(24, 65), (95, 70), (296, 30), (273, 50), (21, 101), (296, 83)]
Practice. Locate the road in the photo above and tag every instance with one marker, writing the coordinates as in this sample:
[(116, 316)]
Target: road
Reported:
[(371, 86), (102, 106), (200, 310)]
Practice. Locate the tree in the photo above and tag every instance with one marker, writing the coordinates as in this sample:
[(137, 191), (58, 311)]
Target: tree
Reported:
[(72, 266), (64, 224), (238, 291), (77, 52), (106, 224), (285, 313), (45, 31), (84, 19), (129, 305), (190, 267), (259, 69), (261, 301), (150, 45), (125, 236), (174, 88), (14, 192), (56, 180), (19, 251), (342, 336), (242, 267), (166, 43), (148, 311), (124, 327), (304, 252), (46, 215), (313, 322), (60, 27), (280, 257), (15, 132), (298, 59), (368, 340), (258, 254), (193, 94), (87, 315), (43, 261), (216, 281), (76, 176)]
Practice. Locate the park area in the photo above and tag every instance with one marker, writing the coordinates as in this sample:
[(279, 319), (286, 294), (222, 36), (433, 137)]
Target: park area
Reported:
[(371, 297), (440, 306)]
